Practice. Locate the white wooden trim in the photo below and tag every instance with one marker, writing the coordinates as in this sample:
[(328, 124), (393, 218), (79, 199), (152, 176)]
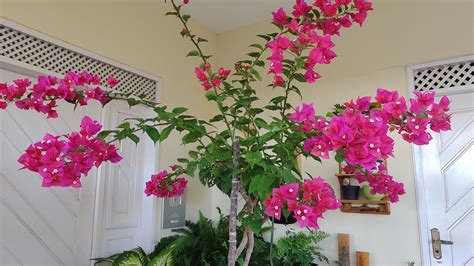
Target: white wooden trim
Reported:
[(423, 228)]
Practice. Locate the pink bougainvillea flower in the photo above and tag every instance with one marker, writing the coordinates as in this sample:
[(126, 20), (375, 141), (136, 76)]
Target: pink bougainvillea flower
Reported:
[(293, 26), (280, 17), (223, 73), (306, 113), (287, 192), (273, 207), (112, 81), (62, 160), (385, 96), (318, 197), (89, 127), (300, 8), (42, 96), (162, 185)]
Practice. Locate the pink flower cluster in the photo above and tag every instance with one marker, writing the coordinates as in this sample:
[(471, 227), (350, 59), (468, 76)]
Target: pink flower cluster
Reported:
[(381, 183), (42, 95), (360, 132), (208, 79), (61, 160), (305, 27), (308, 202), (163, 185)]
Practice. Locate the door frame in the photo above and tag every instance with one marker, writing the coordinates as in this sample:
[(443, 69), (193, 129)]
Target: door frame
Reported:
[(423, 228), (34, 71)]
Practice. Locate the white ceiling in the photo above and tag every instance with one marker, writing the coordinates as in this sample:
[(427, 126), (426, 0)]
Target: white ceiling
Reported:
[(224, 15)]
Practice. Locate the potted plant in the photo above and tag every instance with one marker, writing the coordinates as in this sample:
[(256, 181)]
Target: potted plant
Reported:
[(300, 248), (349, 191), (369, 195)]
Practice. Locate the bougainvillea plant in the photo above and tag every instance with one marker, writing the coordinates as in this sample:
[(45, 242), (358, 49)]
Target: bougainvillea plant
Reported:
[(255, 154)]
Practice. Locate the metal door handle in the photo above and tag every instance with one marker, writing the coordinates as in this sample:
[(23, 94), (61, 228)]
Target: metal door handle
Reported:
[(436, 243), (445, 242)]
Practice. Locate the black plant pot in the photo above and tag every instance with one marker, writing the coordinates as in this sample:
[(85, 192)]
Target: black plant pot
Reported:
[(350, 192), (290, 220)]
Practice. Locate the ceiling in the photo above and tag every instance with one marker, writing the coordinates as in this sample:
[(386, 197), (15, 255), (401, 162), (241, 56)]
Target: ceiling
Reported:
[(224, 15)]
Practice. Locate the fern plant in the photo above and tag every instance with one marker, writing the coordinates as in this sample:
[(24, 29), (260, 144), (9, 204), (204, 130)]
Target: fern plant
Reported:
[(300, 248), (200, 243)]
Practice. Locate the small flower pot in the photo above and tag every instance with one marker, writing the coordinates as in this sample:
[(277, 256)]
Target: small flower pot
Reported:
[(290, 220), (350, 192), (370, 196)]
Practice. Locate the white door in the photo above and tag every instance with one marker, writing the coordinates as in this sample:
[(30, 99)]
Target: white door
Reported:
[(41, 226), (126, 217), (446, 167)]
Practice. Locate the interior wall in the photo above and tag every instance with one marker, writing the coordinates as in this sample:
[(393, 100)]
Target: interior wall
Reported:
[(396, 34), (135, 33)]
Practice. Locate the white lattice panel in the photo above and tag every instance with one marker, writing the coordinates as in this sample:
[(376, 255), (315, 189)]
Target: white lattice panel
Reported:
[(28, 49), (444, 76)]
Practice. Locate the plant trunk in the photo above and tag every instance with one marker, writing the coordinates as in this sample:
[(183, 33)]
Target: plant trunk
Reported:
[(232, 256), (243, 243), (250, 245)]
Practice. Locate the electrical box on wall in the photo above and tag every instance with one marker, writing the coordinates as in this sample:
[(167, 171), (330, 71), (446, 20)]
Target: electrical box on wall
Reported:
[(173, 212)]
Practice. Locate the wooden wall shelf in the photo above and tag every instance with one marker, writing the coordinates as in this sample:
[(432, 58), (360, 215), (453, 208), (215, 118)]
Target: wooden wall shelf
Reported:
[(366, 206), (381, 207)]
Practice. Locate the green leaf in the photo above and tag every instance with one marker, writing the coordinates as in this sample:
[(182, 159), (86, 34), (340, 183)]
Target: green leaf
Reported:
[(127, 258), (186, 17), (193, 53), (193, 154), (190, 138), (179, 110), (171, 14), (339, 157), (256, 74), (201, 40), (265, 37), (211, 95), (261, 185), (258, 46), (165, 133), (134, 138), (153, 134), (299, 77), (254, 54), (104, 134), (132, 102), (288, 176), (253, 158)]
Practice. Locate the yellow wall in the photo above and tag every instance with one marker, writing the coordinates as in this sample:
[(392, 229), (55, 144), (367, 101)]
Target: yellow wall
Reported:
[(396, 34), (135, 33)]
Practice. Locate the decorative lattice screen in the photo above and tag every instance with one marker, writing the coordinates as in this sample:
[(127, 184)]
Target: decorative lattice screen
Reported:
[(28, 49), (445, 76)]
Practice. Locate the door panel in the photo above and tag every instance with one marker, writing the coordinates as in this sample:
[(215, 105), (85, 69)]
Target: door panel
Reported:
[(42, 226), (448, 176), (127, 216)]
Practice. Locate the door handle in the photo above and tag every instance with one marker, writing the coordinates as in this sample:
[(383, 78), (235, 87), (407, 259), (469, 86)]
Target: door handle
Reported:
[(436, 243), (445, 242)]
